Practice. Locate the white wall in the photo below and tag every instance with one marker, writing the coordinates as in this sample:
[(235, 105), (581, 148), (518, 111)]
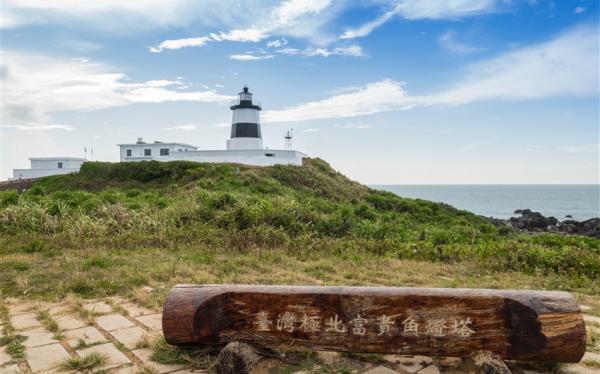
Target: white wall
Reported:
[(245, 144), (137, 150), (37, 173), (48, 164), (247, 157), (245, 115)]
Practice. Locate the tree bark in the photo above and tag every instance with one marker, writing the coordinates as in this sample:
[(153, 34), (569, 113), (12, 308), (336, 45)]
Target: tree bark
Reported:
[(516, 325)]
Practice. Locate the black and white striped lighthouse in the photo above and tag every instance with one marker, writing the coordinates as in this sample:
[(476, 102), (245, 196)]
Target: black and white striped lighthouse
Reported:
[(245, 123)]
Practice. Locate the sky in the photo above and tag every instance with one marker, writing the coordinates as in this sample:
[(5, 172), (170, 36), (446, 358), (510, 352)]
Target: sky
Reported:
[(386, 91)]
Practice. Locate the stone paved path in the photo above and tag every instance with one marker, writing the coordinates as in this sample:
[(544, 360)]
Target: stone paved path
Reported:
[(116, 327), (113, 327)]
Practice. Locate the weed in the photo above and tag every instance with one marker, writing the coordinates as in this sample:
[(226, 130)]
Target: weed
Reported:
[(194, 356), (86, 364)]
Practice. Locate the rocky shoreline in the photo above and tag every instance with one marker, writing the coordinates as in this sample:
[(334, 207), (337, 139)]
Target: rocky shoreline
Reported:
[(530, 221)]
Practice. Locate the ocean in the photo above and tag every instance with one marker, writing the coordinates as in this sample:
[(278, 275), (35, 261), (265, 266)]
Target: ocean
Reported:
[(500, 201)]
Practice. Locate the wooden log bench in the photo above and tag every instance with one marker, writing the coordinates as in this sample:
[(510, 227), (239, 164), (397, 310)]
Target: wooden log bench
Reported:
[(515, 325)]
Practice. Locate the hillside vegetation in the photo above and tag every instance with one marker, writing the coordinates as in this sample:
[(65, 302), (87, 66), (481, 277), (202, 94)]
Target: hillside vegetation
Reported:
[(112, 228)]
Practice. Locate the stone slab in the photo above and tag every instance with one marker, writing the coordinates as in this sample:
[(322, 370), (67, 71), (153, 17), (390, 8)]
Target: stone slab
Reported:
[(591, 356), (20, 308), (4, 357), (69, 323), (578, 369), (88, 334), (11, 369), (152, 321), (431, 369), (58, 309), (113, 355), (134, 310), (38, 337), (99, 307), (591, 319), (129, 337), (144, 356), (127, 370), (25, 321), (381, 370), (46, 357), (112, 322), (410, 367)]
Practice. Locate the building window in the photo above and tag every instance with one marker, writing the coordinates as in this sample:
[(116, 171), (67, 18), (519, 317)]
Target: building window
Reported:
[(60, 165), (164, 151), (129, 153), (147, 152)]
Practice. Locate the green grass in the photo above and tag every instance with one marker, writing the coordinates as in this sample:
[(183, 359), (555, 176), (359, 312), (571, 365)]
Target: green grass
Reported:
[(113, 228), (12, 342), (86, 364), (196, 357)]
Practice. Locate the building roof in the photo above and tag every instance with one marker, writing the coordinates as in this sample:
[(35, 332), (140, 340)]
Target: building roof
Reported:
[(56, 158), (159, 143)]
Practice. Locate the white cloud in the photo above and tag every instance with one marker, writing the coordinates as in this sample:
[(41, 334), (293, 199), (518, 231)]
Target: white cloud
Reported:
[(240, 35), (34, 86), (448, 41), (373, 98), (352, 50), (582, 148), (128, 15), (578, 10), (566, 65), (277, 43), (182, 128), (358, 126), (38, 127), (468, 148), (284, 17), (180, 43), (420, 9), (249, 57), (368, 27), (310, 130)]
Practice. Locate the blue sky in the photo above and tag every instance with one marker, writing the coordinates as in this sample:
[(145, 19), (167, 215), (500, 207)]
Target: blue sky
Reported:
[(388, 92)]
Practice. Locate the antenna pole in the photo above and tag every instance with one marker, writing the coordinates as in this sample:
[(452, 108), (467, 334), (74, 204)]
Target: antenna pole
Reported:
[(288, 139)]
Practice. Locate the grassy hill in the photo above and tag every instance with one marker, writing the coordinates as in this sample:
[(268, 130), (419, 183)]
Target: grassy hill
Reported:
[(113, 228)]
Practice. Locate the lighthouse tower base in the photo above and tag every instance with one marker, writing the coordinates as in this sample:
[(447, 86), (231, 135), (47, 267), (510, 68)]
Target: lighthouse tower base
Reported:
[(244, 143)]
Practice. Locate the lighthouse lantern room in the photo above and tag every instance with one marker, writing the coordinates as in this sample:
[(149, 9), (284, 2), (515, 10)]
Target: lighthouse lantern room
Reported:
[(245, 123)]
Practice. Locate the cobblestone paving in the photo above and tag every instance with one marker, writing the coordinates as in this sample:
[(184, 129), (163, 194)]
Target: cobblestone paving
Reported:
[(112, 328), (115, 327)]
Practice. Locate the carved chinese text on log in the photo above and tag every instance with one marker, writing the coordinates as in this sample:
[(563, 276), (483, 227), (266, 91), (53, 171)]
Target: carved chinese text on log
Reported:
[(522, 325), (382, 325)]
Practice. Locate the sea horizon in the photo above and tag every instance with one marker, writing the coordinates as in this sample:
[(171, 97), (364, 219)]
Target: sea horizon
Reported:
[(579, 201)]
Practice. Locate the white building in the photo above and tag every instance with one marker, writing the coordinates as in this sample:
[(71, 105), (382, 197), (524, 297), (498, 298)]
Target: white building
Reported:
[(44, 166), (245, 145), (142, 151)]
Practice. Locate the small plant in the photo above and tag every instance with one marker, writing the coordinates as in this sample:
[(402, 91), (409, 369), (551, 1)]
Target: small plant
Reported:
[(144, 342), (46, 319), (147, 370), (196, 357), (593, 340), (15, 349), (85, 364)]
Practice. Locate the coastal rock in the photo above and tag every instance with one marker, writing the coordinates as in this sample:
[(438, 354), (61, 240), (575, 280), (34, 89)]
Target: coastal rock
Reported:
[(530, 221)]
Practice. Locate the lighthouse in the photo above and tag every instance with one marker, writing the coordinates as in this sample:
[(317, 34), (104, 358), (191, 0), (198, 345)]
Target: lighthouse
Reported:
[(245, 123)]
